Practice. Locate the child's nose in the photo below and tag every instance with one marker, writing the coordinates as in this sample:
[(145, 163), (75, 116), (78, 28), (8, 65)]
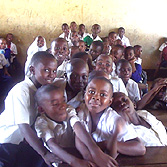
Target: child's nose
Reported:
[(96, 96)]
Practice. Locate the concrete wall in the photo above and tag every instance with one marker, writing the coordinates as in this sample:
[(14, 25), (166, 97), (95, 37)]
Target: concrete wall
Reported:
[(143, 21)]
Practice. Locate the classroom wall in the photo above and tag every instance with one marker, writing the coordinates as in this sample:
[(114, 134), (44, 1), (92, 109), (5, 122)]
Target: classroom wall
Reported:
[(143, 21)]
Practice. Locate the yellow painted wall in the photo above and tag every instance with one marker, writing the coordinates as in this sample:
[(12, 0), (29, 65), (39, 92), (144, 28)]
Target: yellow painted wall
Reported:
[(143, 20)]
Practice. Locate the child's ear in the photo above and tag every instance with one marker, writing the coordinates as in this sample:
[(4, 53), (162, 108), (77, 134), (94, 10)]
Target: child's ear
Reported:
[(111, 100), (32, 70), (40, 110)]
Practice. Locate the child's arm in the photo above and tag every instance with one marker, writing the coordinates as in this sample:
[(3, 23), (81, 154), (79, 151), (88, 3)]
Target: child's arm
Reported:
[(5, 71), (98, 156), (66, 157), (151, 94), (36, 144)]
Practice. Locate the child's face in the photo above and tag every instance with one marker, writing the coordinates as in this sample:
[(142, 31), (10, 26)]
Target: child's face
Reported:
[(138, 52), (106, 48), (74, 38), (122, 104), (82, 29), (44, 72), (118, 42), (77, 78), (40, 42), (112, 38), (2, 44), (54, 105), (121, 32), (104, 63), (96, 29), (9, 37), (98, 96), (73, 27), (129, 54), (65, 29), (61, 50), (124, 71), (82, 46), (116, 54), (95, 51)]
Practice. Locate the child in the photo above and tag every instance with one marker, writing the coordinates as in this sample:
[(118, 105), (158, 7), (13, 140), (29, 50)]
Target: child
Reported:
[(74, 38), (96, 29), (73, 26), (73, 50), (77, 77), (116, 135), (121, 36), (148, 128), (104, 63), (107, 47), (138, 52), (39, 44), (96, 49), (82, 34), (117, 53), (60, 50), (86, 57), (55, 125), (11, 46), (18, 117), (136, 68), (124, 71), (112, 36), (66, 32), (82, 46)]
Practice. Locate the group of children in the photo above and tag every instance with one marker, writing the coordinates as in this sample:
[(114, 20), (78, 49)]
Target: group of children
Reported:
[(82, 93)]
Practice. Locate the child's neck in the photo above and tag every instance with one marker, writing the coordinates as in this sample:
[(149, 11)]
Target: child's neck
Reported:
[(94, 36), (37, 84), (70, 93)]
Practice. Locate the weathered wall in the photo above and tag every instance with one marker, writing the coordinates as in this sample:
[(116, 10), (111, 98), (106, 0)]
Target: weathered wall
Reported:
[(143, 20)]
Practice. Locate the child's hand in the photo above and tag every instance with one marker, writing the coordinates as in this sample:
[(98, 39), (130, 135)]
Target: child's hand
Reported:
[(104, 160), (51, 158), (83, 163)]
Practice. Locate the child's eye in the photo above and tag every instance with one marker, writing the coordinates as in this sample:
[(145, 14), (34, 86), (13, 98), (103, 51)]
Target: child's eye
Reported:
[(108, 65), (91, 92), (64, 48), (99, 63), (84, 77), (46, 70), (57, 48), (55, 71), (102, 94)]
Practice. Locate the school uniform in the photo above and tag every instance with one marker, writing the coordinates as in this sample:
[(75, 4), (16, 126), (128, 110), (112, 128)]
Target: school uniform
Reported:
[(138, 61), (13, 49), (162, 46), (84, 35), (33, 48), (118, 85), (89, 39), (125, 41), (62, 69), (20, 108), (136, 76), (66, 38), (62, 132), (133, 91), (154, 136), (105, 125)]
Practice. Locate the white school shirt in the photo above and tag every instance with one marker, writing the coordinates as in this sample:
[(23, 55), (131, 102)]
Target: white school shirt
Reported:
[(66, 38), (13, 48), (84, 35), (20, 108), (156, 135), (118, 85), (125, 41), (62, 69), (138, 60), (96, 39), (105, 125), (113, 74), (133, 90), (62, 132), (3, 61), (162, 46)]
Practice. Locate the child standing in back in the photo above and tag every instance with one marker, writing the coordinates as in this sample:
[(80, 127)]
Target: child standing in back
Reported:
[(138, 52), (16, 121), (121, 36), (66, 32), (96, 29), (39, 44), (82, 32)]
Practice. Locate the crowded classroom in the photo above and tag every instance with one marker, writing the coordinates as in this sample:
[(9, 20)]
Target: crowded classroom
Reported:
[(83, 83)]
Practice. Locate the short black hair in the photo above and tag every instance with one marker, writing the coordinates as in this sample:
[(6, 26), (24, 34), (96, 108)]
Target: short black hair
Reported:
[(45, 89), (98, 43), (121, 28), (39, 56), (127, 49)]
